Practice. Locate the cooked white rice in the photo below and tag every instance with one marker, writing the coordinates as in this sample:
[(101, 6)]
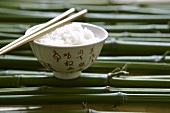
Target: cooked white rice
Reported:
[(68, 35)]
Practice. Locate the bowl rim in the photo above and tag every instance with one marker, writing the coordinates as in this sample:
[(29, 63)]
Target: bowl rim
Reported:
[(71, 46)]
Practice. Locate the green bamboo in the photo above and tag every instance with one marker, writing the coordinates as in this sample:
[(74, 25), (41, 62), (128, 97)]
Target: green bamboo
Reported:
[(121, 47), (144, 39), (24, 72), (151, 58), (4, 42), (127, 18), (91, 8), (21, 52), (28, 13), (45, 73), (16, 25), (32, 6), (148, 28), (46, 80), (140, 35), (90, 17), (129, 82), (69, 111), (31, 63), (113, 29), (77, 90), (99, 2), (100, 9), (21, 18), (110, 98), (123, 9), (12, 30), (113, 98), (61, 111), (93, 80), (10, 36), (163, 2), (153, 5)]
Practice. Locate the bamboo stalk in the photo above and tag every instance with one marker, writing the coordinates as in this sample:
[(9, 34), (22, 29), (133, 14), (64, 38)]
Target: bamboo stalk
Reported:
[(129, 82), (21, 53), (122, 9), (45, 73), (148, 77), (122, 47), (140, 35), (71, 111), (12, 30), (100, 2), (142, 29), (21, 18), (152, 58), (10, 36), (162, 2), (4, 42), (153, 5), (61, 99), (62, 111), (11, 62), (91, 8), (28, 13), (145, 39), (80, 90), (110, 98), (16, 25), (111, 28), (91, 17), (24, 72), (93, 80)]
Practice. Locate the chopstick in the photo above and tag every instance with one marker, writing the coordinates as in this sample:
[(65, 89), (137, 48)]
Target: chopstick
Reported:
[(52, 25), (54, 20)]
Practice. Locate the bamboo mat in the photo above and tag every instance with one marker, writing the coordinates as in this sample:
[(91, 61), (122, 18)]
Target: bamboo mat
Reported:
[(137, 29)]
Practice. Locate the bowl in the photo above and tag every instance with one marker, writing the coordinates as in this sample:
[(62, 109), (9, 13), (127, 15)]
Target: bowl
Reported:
[(67, 62)]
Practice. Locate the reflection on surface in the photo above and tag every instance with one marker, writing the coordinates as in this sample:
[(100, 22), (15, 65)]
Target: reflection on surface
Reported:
[(14, 108)]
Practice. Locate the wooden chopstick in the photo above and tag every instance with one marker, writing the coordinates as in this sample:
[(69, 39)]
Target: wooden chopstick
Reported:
[(49, 23)]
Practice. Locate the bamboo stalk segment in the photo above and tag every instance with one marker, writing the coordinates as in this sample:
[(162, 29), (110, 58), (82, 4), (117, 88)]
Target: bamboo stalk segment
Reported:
[(91, 17), (96, 67), (93, 80), (110, 98), (70, 111), (79, 90), (122, 47)]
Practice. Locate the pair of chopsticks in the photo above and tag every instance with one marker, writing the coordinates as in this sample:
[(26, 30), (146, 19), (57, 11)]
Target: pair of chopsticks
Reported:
[(46, 28)]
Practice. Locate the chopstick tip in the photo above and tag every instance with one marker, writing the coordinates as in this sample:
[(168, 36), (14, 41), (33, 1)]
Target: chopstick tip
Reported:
[(85, 10), (72, 9)]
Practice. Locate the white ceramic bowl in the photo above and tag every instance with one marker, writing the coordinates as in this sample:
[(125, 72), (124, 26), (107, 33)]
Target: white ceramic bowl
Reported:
[(68, 62)]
